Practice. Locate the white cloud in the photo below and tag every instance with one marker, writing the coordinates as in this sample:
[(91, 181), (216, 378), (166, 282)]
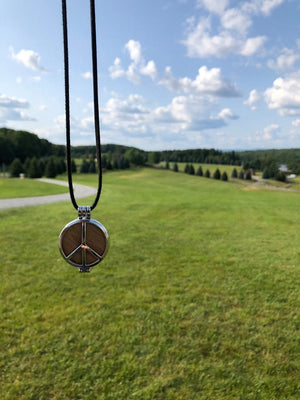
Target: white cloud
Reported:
[(271, 132), (11, 109), (214, 6), (29, 58), (284, 95), (149, 70), (136, 68), (296, 122), (252, 45), (208, 81), (230, 36), (267, 6), (201, 43), (182, 115), (235, 19), (12, 102), (87, 75), (284, 61), (116, 70), (253, 98), (226, 113), (135, 51)]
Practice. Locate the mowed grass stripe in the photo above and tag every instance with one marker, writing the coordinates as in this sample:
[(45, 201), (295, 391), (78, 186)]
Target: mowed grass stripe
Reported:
[(198, 297)]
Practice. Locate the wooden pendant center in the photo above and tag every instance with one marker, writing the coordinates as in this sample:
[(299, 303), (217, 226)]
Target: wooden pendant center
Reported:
[(83, 242)]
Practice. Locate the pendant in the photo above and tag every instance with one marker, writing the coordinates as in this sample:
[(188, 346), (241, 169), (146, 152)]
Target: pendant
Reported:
[(84, 242)]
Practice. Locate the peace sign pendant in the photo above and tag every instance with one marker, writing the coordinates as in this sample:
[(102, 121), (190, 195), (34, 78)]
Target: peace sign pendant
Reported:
[(84, 242)]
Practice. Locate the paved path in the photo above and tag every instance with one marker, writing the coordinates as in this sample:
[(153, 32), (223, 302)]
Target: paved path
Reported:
[(80, 192)]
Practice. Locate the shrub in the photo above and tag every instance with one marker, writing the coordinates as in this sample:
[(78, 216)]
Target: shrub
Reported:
[(241, 174), (167, 165), (187, 169), (175, 167)]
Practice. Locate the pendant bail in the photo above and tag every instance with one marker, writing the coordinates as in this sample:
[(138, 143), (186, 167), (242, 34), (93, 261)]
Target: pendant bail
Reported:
[(84, 212)]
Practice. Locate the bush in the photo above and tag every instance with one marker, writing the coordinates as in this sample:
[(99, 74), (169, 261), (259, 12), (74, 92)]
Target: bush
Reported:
[(217, 174), (224, 176), (175, 167), (187, 169), (167, 166), (241, 174)]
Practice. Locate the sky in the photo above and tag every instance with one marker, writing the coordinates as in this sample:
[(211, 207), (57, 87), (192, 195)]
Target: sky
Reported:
[(173, 74)]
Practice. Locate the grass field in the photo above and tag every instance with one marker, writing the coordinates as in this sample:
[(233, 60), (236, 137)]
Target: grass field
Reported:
[(15, 187), (198, 297)]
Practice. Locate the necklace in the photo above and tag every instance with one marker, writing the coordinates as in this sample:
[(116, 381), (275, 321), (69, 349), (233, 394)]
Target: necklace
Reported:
[(83, 242)]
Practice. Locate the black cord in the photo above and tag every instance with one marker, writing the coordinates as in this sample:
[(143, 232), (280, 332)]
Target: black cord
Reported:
[(96, 101)]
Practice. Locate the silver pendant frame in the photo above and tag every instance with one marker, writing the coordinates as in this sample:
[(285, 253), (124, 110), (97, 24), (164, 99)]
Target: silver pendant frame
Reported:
[(84, 219)]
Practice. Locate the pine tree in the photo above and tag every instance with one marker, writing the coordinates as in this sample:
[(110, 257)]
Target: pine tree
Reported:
[(207, 173), (167, 165), (16, 168), (34, 169), (241, 174), (224, 176), (192, 170), (234, 173), (217, 174), (92, 167), (175, 167), (266, 173), (187, 169), (73, 166), (248, 175), (199, 171), (50, 169), (84, 168)]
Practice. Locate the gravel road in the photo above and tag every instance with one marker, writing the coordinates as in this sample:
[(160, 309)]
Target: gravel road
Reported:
[(80, 192)]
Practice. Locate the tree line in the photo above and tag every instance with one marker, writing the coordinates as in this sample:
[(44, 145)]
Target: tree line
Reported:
[(24, 145)]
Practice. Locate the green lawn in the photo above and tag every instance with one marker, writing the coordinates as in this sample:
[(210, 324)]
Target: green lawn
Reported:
[(198, 297), (15, 187)]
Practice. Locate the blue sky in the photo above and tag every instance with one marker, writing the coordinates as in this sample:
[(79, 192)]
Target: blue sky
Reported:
[(173, 74)]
